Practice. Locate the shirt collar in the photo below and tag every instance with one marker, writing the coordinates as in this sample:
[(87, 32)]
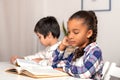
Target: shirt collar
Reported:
[(92, 45), (53, 47)]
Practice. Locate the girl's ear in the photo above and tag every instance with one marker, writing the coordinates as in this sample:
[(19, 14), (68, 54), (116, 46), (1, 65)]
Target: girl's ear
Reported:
[(89, 33)]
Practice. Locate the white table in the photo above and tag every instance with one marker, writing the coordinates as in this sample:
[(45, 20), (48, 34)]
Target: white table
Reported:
[(9, 76)]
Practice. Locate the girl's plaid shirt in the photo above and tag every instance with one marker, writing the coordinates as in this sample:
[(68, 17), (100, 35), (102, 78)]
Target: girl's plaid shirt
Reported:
[(88, 66)]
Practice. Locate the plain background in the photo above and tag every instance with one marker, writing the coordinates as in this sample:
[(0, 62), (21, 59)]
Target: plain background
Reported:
[(18, 18)]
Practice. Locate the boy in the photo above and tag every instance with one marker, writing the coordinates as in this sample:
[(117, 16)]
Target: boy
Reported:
[(48, 31)]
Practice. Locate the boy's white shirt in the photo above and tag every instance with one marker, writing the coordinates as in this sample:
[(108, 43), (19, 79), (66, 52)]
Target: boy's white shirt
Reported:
[(46, 55)]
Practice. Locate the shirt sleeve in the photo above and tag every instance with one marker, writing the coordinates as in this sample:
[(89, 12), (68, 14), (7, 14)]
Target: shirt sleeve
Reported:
[(37, 55), (90, 65), (57, 57), (59, 60)]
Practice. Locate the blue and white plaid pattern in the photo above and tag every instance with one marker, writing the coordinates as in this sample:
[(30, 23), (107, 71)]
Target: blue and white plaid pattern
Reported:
[(91, 67)]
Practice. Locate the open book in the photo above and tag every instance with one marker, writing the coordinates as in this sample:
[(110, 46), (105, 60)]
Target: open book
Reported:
[(31, 69)]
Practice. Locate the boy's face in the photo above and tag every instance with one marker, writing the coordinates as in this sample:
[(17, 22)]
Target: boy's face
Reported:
[(43, 40)]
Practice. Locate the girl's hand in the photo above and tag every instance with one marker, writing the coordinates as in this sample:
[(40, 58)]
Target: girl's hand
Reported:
[(64, 43)]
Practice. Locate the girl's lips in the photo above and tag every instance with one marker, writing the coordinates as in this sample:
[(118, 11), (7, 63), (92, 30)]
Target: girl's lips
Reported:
[(72, 42)]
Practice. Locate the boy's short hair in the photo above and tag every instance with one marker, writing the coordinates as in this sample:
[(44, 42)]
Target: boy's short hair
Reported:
[(46, 25)]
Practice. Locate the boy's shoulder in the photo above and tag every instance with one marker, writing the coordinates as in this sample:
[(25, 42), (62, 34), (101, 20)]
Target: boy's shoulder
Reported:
[(55, 46)]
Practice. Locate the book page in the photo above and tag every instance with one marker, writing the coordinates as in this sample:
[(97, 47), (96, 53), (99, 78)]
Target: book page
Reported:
[(44, 71), (37, 69), (23, 62), (32, 69), (35, 72), (16, 70)]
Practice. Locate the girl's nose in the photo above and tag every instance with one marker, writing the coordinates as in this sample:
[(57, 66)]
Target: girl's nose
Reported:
[(70, 36)]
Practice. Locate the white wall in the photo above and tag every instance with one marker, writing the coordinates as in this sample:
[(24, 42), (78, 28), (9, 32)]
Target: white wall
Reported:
[(109, 26), (61, 9), (30, 11), (17, 22)]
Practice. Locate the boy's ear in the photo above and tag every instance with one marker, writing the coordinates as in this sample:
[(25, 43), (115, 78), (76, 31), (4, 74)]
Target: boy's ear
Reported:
[(49, 34), (89, 33)]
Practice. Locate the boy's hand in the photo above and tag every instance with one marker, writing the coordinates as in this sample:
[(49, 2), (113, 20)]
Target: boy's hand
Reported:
[(37, 60), (13, 59)]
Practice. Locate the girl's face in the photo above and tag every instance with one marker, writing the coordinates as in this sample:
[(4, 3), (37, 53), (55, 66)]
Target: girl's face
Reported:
[(78, 33), (43, 40)]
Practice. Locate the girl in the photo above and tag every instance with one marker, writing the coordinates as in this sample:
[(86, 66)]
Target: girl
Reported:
[(86, 61)]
